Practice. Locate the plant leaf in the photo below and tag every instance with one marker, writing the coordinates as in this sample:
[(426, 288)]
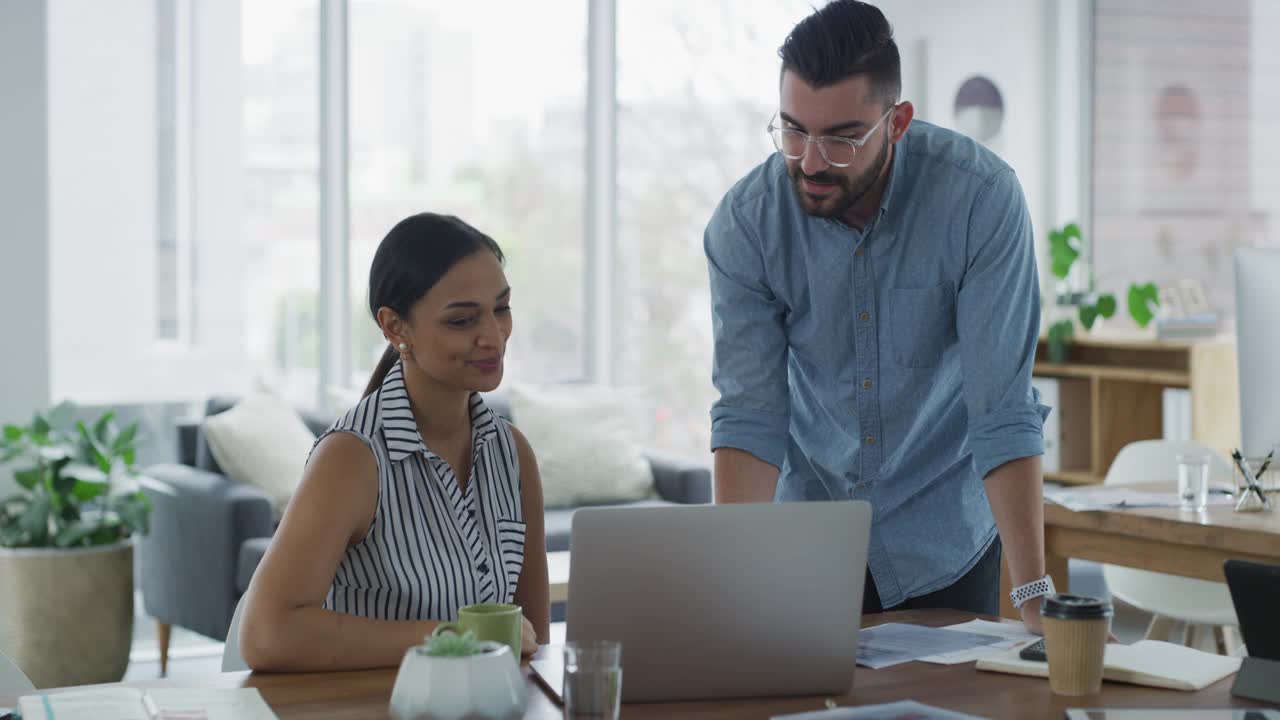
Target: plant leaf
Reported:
[(97, 454), (133, 514), (35, 520), (75, 534), (85, 473), (1061, 252), (10, 536), (62, 415), (126, 438), (103, 426), (107, 532), (1088, 314), (13, 433), (29, 478), (1106, 305), (1143, 299), (39, 426), (54, 453), (63, 483), (85, 491)]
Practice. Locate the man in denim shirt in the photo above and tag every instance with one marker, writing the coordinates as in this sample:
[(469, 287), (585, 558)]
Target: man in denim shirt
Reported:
[(876, 307)]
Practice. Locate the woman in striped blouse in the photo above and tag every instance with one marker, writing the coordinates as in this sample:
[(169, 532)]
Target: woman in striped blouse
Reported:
[(420, 500)]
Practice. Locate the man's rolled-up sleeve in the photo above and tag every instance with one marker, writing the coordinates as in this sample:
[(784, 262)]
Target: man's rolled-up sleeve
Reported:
[(750, 363), (998, 323)]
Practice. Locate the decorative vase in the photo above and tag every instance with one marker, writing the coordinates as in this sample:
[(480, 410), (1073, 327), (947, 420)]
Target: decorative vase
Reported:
[(66, 614), (485, 686)]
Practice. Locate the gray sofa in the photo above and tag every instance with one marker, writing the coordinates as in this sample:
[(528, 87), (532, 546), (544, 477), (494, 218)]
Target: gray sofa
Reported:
[(208, 533)]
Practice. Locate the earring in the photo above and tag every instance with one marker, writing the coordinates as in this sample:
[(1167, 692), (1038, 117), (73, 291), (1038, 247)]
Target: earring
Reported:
[(404, 348)]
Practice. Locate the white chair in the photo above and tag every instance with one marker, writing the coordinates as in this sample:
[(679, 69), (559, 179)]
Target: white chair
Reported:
[(12, 680), (231, 659), (1169, 597)]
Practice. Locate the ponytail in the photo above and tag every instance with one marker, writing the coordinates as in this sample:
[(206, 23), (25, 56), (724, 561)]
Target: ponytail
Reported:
[(388, 361)]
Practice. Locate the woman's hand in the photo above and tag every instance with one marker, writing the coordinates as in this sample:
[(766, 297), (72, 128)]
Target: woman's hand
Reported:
[(528, 637)]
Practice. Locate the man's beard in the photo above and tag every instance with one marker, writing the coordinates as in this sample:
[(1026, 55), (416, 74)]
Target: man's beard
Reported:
[(849, 191)]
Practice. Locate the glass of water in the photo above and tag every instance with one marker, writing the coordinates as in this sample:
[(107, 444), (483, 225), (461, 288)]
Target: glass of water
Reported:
[(592, 680), (1193, 481)]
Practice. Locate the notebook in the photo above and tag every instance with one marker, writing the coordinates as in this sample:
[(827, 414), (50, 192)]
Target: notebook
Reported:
[(122, 703), (1146, 662)]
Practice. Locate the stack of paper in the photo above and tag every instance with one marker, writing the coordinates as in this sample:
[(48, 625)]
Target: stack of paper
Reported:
[(122, 703), (895, 643), (1013, 636), (1082, 499), (904, 710), (1146, 662)]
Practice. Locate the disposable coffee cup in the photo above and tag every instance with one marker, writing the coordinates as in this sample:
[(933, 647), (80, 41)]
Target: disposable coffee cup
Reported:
[(1075, 639)]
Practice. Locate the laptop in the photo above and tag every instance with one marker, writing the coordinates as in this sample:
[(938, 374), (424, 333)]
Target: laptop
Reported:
[(1255, 593), (719, 601)]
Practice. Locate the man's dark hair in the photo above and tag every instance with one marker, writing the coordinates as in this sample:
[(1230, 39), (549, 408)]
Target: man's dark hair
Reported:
[(842, 39)]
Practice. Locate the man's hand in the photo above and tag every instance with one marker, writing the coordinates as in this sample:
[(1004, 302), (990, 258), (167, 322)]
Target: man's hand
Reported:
[(1031, 616)]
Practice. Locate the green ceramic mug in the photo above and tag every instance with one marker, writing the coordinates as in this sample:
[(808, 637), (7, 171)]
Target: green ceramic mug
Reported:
[(491, 621)]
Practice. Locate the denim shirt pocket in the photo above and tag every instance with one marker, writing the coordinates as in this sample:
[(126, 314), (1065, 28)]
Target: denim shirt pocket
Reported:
[(923, 322)]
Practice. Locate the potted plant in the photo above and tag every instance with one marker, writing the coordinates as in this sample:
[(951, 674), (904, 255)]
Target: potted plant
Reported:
[(66, 553), (453, 676), (1065, 246)]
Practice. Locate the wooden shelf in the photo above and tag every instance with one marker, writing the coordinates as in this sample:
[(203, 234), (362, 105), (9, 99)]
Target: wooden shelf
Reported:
[(1168, 378), (1110, 393), (1073, 477)]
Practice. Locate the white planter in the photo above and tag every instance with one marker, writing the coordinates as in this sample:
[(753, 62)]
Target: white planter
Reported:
[(66, 616), (487, 686)]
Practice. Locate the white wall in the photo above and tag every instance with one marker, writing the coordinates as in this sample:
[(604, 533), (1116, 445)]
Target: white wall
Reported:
[(102, 209), (1034, 58), (24, 248)]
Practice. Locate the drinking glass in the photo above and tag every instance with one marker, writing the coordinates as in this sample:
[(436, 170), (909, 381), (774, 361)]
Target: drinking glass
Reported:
[(592, 680)]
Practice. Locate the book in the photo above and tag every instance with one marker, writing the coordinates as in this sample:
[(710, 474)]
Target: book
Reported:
[(125, 703), (1147, 662)]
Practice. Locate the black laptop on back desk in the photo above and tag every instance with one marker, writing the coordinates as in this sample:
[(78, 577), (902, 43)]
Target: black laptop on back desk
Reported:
[(1255, 592)]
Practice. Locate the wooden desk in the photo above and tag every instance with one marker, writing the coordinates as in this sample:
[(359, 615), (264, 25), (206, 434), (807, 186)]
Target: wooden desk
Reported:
[(365, 694), (1166, 540)]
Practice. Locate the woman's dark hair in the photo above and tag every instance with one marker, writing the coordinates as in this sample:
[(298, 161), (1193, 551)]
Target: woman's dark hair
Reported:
[(411, 259), (842, 39)]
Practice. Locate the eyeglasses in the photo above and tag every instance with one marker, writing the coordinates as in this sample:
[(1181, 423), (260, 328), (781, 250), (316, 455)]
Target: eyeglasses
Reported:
[(837, 151)]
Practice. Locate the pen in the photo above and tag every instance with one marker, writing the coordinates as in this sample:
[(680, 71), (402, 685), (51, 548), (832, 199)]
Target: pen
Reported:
[(153, 712), (1266, 463)]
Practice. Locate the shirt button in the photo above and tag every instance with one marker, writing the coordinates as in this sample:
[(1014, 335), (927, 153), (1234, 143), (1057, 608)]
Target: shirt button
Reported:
[(871, 440), (865, 316), (858, 252), (471, 513), (867, 383), (483, 568)]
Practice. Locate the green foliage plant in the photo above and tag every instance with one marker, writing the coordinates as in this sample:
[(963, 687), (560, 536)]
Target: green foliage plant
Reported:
[(77, 484)]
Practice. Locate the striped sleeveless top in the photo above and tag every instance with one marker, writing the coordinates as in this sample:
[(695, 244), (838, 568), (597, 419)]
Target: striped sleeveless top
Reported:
[(433, 547)]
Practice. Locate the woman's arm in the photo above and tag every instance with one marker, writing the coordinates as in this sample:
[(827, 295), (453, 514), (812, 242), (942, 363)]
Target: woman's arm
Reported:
[(284, 627), (533, 593)]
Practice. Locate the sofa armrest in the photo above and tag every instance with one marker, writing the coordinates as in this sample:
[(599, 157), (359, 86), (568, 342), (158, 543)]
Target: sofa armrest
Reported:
[(187, 562), (189, 429), (678, 479)]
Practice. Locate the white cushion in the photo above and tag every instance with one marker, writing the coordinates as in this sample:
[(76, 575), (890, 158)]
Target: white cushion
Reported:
[(263, 442), (587, 439)]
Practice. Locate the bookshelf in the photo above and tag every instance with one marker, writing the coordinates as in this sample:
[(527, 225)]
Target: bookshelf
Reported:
[(1111, 394)]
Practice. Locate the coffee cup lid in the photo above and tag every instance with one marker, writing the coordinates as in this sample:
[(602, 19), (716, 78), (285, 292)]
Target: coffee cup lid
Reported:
[(1075, 607)]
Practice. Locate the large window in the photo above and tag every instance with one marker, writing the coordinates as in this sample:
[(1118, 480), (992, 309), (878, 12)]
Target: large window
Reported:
[(684, 138), (1186, 132), (475, 109), (281, 150)]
